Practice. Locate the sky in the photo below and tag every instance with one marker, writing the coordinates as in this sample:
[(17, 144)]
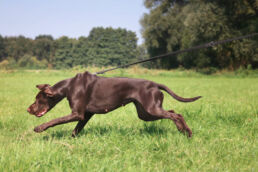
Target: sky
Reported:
[(72, 18)]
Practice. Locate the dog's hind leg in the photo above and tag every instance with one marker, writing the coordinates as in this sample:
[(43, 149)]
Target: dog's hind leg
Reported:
[(159, 113), (180, 123), (152, 110), (80, 125)]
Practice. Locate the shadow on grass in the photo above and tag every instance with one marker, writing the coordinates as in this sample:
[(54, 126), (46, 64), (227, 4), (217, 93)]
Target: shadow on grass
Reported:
[(99, 131), (58, 134), (153, 129)]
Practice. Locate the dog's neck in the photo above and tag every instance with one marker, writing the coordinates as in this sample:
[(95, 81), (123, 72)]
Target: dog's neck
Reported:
[(61, 89)]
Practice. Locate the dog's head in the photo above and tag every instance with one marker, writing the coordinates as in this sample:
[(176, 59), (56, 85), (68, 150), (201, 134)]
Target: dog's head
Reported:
[(45, 100)]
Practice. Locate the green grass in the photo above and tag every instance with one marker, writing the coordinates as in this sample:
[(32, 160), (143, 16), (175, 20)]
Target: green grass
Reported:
[(224, 124)]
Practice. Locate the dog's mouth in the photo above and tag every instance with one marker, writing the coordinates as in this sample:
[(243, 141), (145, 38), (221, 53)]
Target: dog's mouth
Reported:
[(41, 113)]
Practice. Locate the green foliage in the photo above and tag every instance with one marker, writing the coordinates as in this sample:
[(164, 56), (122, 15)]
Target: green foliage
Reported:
[(17, 47), (31, 62), (108, 46), (4, 64), (224, 124), (103, 47), (80, 52), (2, 48), (63, 53), (26, 62), (44, 47), (173, 25)]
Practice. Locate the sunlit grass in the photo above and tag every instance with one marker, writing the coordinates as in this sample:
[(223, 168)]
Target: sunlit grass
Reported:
[(224, 124)]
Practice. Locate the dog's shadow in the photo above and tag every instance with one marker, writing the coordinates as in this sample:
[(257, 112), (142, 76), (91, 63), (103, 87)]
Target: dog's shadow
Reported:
[(99, 131)]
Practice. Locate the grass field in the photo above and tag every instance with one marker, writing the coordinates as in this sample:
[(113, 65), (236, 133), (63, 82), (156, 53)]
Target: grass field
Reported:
[(224, 124)]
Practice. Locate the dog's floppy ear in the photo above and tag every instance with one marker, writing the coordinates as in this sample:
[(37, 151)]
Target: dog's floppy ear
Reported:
[(42, 86), (46, 88), (49, 91)]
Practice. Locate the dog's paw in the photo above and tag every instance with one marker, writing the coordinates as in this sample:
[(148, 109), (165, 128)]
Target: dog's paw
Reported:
[(74, 134), (189, 133), (38, 129)]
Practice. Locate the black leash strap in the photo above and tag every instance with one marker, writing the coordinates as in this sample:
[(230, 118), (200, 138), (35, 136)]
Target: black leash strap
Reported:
[(210, 44)]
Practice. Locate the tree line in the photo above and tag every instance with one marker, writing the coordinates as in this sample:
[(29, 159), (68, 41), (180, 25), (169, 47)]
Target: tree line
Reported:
[(103, 47), (169, 25)]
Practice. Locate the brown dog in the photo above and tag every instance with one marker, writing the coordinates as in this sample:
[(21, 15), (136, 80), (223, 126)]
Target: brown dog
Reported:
[(90, 94)]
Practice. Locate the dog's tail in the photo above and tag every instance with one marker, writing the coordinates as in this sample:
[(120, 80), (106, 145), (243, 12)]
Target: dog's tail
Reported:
[(181, 99)]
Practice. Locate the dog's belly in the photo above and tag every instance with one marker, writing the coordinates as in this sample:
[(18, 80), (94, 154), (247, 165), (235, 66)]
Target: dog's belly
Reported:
[(106, 106)]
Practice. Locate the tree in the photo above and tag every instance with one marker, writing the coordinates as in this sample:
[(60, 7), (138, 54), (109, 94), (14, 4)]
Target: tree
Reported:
[(2, 49), (63, 54), (108, 46), (80, 51), (44, 47), (103, 47), (142, 54), (17, 47), (174, 24)]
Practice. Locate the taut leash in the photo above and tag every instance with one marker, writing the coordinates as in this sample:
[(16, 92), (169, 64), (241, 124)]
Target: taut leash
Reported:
[(210, 44)]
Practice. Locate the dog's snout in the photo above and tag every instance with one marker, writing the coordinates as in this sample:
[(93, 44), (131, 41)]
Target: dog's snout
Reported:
[(28, 110)]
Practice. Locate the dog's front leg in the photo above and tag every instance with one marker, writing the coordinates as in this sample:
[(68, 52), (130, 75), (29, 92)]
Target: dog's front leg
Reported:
[(69, 118), (81, 124)]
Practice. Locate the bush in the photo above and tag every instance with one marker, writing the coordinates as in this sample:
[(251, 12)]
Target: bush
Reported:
[(243, 72), (208, 70), (32, 62), (8, 63), (4, 64)]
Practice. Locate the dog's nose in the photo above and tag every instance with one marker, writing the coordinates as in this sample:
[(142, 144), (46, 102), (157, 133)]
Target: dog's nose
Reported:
[(28, 110)]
